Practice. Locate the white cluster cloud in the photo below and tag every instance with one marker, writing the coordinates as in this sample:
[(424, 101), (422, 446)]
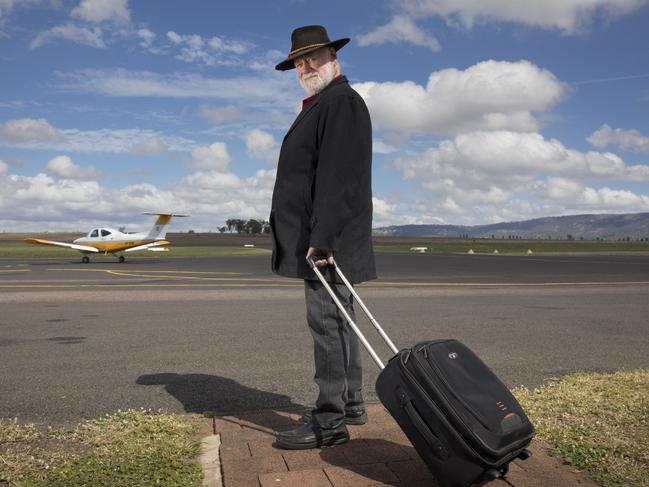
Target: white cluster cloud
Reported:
[(631, 140), (28, 130), (146, 197), (478, 174), (91, 17), (482, 159), (399, 29), (41, 196), (494, 164), (490, 95), (222, 194), (386, 213), (233, 120), (70, 199), (211, 52), (215, 157), (97, 11), (89, 36), (7, 6), (40, 134), (150, 147), (269, 89), (146, 37), (261, 145), (101, 23), (380, 147), (574, 194), (218, 115), (63, 167), (569, 16)]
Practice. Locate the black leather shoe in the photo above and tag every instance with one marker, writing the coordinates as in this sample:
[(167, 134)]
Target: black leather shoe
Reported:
[(311, 435), (356, 417)]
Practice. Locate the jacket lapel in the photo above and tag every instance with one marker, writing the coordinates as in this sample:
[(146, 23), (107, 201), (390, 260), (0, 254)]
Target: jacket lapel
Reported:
[(302, 114)]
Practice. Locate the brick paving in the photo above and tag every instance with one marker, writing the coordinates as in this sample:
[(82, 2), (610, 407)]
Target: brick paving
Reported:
[(378, 454)]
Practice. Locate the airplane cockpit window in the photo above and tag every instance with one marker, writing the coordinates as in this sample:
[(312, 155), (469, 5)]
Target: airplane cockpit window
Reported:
[(104, 233), (94, 233)]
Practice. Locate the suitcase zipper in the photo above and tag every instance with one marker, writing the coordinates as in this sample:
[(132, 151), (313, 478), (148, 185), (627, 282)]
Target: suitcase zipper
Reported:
[(449, 427), (502, 461), (443, 396), (515, 446), (431, 364)]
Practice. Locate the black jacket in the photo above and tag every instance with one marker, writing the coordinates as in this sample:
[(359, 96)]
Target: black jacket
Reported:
[(323, 191)]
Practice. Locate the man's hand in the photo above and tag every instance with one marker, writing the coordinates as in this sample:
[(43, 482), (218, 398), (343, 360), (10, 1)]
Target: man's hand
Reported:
[(313, 252)]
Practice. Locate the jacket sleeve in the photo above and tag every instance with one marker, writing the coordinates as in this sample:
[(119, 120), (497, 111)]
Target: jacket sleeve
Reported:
[(342, 176)]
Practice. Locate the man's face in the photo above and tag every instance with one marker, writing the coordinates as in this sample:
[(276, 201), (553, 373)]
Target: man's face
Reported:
[(316, 69)]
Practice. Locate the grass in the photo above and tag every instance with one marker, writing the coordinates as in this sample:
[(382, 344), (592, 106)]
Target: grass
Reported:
[(512, 247), (597, 422), (212, 245), (135, 447), (217, 245), (27, 251)]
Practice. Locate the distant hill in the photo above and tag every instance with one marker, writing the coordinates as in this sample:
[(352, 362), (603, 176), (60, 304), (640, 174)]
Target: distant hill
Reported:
[(589, 227)]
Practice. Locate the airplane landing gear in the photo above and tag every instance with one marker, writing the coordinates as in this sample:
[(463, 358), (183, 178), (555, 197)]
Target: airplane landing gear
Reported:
[(121, 258), (85, 259)]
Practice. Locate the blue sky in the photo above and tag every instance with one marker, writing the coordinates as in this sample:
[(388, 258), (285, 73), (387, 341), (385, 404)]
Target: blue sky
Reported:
[(483, 110)]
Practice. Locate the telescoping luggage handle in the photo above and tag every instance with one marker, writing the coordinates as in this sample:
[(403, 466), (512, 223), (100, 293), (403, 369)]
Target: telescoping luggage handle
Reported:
[(342, 309), (437, 447)]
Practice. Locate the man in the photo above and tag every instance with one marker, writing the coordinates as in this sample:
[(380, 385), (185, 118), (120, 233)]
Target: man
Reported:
[(322, 208)]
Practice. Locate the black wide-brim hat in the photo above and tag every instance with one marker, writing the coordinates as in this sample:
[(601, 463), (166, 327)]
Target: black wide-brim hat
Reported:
[(307, 39)]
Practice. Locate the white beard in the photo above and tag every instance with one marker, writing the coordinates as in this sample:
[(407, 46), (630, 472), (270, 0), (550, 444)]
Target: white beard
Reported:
[(313, 83)]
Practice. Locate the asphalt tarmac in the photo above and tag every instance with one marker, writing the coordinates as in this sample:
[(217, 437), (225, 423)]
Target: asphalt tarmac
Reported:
[(224, 334)]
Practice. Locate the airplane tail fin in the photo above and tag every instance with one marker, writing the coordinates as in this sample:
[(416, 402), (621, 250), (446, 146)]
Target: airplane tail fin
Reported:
[(159, 229)]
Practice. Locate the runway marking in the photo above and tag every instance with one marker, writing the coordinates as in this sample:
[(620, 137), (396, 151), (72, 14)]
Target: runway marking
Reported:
[(47, 286), (377, 284), (617, 262), (146, 273), (152, 272), (505, 284), (299, 284), (232, 279), (199, 278)]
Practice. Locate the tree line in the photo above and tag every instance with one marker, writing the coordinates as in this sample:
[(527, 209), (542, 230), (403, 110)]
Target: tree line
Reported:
[(249, 227)]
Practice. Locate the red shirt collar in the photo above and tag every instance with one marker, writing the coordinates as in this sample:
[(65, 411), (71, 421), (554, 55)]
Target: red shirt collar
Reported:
[(307, 101)]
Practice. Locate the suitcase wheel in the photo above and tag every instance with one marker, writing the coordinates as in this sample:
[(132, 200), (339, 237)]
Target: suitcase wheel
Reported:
[(525, 454), (492, 474)]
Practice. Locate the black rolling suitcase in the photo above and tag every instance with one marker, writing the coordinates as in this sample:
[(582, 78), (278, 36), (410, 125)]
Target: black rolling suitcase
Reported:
[(462, 420)]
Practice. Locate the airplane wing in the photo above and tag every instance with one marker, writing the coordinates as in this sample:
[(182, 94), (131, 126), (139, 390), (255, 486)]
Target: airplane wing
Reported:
[(84, 248), (147, 246)]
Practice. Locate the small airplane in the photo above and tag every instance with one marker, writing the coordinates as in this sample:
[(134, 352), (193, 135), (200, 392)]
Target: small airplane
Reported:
[(110, 241)]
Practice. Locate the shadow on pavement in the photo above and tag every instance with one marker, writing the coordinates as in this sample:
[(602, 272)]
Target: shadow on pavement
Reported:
[(203, 393), (247, 420)]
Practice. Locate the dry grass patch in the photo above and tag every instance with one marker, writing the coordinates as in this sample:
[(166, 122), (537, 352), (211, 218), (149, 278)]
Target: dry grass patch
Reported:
[(128, 448), (597, 422)]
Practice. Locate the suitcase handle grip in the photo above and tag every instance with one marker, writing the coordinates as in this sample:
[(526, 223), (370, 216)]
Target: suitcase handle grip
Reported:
[(420, 425)]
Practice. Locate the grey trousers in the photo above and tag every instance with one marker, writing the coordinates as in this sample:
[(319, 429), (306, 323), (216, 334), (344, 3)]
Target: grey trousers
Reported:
[(337, 354)]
